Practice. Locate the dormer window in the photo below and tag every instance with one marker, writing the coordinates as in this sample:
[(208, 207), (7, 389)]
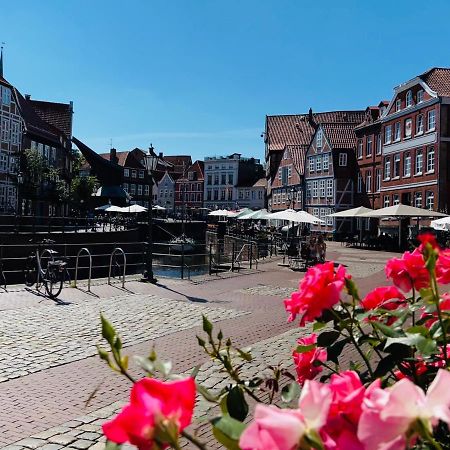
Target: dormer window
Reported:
[(420, 96), (409, 99), (398, 105), (319, 138)]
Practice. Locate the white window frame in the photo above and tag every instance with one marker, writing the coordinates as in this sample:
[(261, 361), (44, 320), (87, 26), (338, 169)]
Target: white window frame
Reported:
[(330, 187), (386, 201), (359, 183), (359, 149), (419, 124), (398, 105), (126, 172), (315, 188), (325, 162), (409, 99), (419, 162), (430, 200), (396, 166), (318, 163), (319, 138), (379, 144), (369, 181), (395, 199), (397, 131), (418, 199), (431, 120), (430, 160), (388, 134), (322, 188), (407, 164), (420, 96), (342, 159), (378, 180), (311, 164), (387, 168), (369, 145), (408, 130)]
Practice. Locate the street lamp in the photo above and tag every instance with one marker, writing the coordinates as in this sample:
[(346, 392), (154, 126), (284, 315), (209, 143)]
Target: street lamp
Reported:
[(150, 163), (19, 200)]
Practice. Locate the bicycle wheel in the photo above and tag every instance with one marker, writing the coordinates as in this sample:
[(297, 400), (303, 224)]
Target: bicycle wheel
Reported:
[(53, 280), (29, 271)]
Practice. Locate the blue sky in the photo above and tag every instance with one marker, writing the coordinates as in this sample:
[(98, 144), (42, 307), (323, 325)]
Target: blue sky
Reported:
[(198, 76)]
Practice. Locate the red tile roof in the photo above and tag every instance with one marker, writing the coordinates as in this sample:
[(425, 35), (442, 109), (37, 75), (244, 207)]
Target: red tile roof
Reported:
[(57, 114), (297, 129), (340, 135), (297, 153), (121, 156), (438, 78), (180, 162)]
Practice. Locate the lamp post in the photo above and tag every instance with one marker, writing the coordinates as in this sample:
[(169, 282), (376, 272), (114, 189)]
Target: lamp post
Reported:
[(19, 200), (150, 162)]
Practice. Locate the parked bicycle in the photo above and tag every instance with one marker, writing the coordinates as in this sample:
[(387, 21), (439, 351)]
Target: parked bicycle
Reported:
[(43, 267)]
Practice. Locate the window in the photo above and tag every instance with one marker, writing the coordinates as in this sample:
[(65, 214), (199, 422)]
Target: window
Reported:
[(342, 159), (419, 124), (359, 184), (359, 149), (431, 120), (386, 201), (418, 199), (223, 178), (289, 171), (311, 164), (430, 200), (209, 180), (316, 212), (395, 199), (133, 173), (397, 131), (408, 128), (216, 178), (319, 138), (15, 133), (420, 96), (314, 189), (141, 174), (230, 178), (407, 165), (280, 172), (125, 187), (329, 219), (5, 130), (139, 189), (222, 194), (369, 181), (133, 189), (398, 105), (6, 96), (396, 171), (369, 146), (318, 163), (216, 194), (387, 168), (284, 176), (378, 180), (191, 176), (388, 134), (230, 194), (325, 162), (330, 187), (419, 162), (322, 188), (308, 189), (147, 190), (409, 99), (379, 144), (430, 160)]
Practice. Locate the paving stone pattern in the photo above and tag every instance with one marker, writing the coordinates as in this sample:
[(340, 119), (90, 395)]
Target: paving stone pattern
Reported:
[(263, 289), (85, 432), (46, 336)]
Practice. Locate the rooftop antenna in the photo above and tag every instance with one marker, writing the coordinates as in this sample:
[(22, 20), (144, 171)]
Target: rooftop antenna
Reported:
[(110, 143), (1, 59)]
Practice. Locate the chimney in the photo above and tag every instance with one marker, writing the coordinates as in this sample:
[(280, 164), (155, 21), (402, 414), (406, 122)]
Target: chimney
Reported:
[(27, 97), (160, 155), (113, 156), (311, 120), (71, 106)]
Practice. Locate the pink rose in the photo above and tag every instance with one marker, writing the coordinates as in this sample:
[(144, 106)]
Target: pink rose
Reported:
[(427, 238), (444, 305), (386, 297), (345, 411), (443, 267), (304, 361), (388, 414), (408, 271), (152, 402), (319, 290), (282, 429)]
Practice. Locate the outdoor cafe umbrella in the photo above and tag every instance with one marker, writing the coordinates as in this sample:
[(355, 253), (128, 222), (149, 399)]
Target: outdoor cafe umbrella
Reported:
[(354, 212), (442, 224), (158, 208), (261, 214), (134, 209), (240, 213), (294, 216), (402, 211), (218, 212), (109, 208)]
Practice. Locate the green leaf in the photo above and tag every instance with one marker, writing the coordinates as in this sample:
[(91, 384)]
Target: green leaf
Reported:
[(108, 331), (318, 326), (145, 364), (220, 335), (427, 295), (112, 446), (104, 355), (207, 326), (228, 431), (314, 440), (385, 329), (327, 338), (420, 329), (206, 394), (195, 371), (236, 404), (385, 365), (290, 392), (201, 342), (424, 345), (335, 350), (305, 348), (244, 355), (117, 343), (351, 288)]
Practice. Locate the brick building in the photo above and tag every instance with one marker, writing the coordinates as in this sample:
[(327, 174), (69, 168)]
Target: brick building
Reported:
[(416, 139), (189, 188), (331, 168)]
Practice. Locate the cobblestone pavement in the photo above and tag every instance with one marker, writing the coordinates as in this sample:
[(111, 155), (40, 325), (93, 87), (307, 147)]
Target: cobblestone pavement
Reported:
[(39, 338), (247, 307), (85, 432)]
